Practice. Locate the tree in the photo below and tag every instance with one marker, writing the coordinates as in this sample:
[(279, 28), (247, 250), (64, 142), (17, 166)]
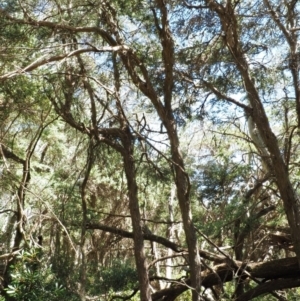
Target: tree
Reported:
[(118, 90)]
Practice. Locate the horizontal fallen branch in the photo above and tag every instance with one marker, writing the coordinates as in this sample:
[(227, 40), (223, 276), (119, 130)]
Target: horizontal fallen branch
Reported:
[(155, 238), (276, 274)]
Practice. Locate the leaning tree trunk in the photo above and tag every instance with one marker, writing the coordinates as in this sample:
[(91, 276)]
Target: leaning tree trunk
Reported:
[(278, 167)]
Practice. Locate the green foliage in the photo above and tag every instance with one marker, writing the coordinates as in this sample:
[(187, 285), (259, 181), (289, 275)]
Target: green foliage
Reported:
[(33, 280), (118, 277), (74, 87), (219, 181), (186, 296)]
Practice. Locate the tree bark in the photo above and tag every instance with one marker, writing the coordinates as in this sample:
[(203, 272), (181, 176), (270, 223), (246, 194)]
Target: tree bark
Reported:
[(287, 269), (170, 231), (138, 237), (183, 194), (278, 167)]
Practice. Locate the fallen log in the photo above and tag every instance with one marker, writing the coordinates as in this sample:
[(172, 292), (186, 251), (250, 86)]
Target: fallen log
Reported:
[(272, 275)]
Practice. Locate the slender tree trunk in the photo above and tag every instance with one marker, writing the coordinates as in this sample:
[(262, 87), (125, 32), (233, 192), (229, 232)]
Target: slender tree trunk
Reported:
[(170, 231), (129, 165), (183, 194), (90, 162), (133, 63)]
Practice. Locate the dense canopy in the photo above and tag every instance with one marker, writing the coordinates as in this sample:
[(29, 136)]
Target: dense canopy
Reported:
[(149, 150)]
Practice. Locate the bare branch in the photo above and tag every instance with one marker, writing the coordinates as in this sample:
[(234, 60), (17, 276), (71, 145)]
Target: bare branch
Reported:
[(295, 29), (46, 60), (221, 95), (147, 236)]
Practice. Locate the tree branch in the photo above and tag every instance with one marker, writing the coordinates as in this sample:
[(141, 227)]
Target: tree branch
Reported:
[(10, 155), (159, 239), (147, 236), (276, 19), (167, 52), (268, 287), (220, 95), (46, 60), (281, 268), (94, 29)]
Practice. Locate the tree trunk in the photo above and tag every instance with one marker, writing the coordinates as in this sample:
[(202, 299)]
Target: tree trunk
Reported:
[(277, 165), (145, 293), (170, 231), (183, 194)]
